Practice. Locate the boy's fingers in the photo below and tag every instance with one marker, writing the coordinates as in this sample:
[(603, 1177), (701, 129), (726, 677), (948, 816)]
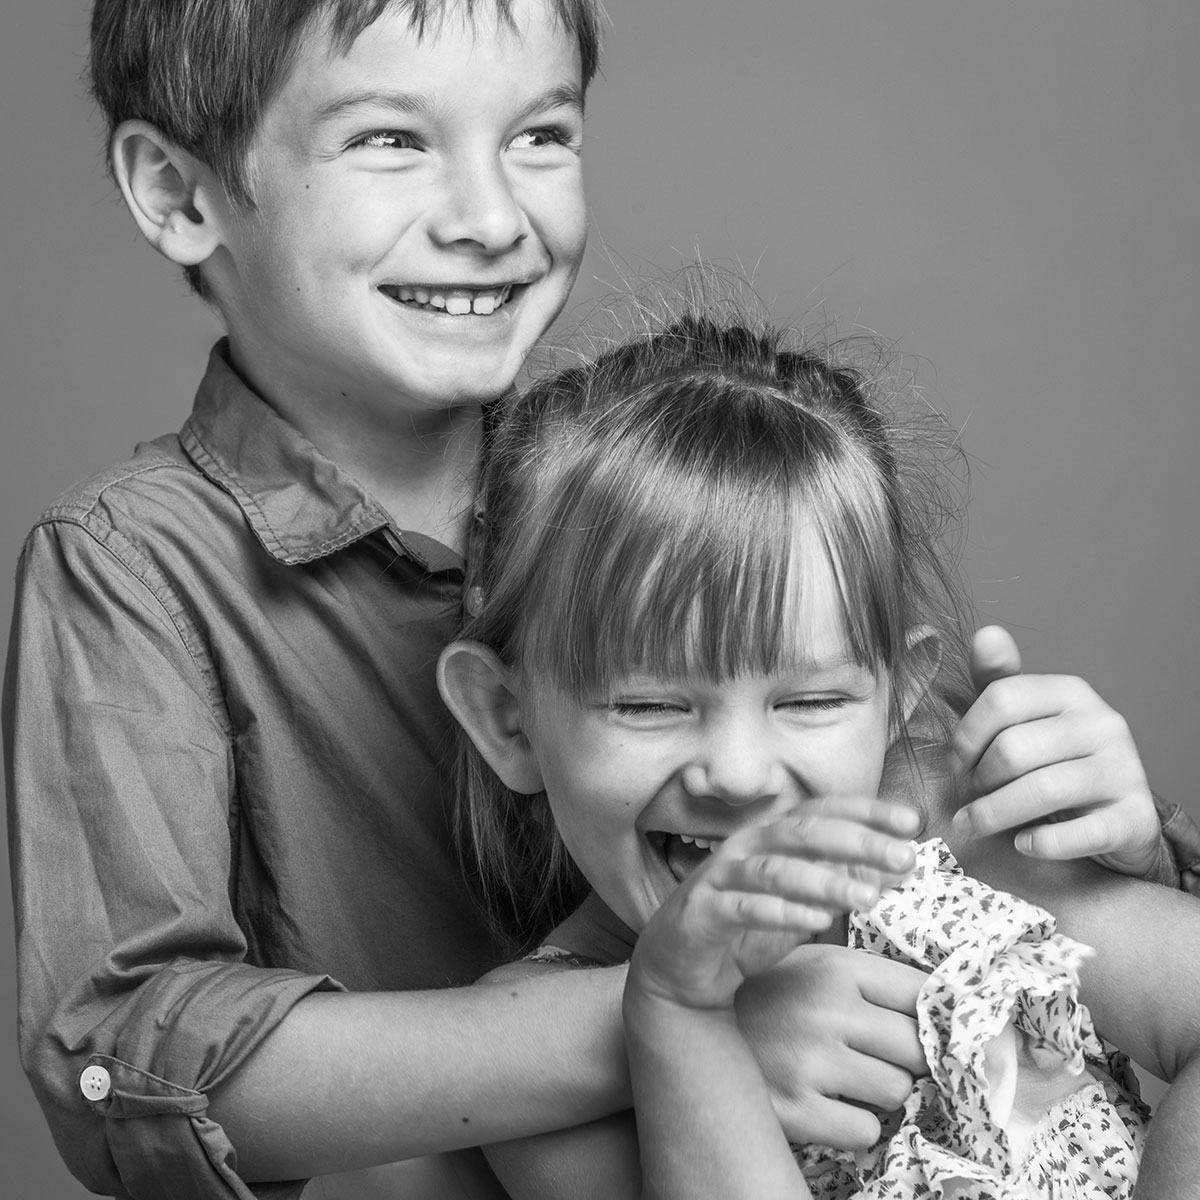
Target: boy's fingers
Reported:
[(1032, 797), (1034, 746), (1006, 703), (1096, 833), (994, 655)]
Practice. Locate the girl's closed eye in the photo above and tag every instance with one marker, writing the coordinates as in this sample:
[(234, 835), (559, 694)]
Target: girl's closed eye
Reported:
[(645, 708), (814, 703)]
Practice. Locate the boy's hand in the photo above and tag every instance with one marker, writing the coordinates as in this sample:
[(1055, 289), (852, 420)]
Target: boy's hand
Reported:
[(835, 1034), (765, 890), (1046, 755)]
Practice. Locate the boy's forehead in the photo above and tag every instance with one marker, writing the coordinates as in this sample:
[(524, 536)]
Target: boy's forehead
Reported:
[(401, 50), (340, 23)]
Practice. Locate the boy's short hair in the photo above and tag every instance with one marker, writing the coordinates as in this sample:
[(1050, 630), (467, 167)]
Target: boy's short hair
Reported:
[(202, 71)]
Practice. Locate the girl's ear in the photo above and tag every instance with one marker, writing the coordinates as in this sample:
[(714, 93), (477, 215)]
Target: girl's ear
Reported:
[(479, 690), (175, 199), (923, 657)]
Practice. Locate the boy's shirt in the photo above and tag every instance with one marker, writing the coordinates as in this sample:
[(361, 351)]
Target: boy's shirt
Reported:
[(225, 747)]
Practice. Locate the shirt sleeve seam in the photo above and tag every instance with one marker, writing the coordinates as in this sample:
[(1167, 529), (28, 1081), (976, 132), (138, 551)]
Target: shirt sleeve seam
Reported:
[(126, 552)]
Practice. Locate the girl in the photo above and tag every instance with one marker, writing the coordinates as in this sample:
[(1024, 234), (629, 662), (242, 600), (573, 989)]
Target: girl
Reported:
[(710, 610)]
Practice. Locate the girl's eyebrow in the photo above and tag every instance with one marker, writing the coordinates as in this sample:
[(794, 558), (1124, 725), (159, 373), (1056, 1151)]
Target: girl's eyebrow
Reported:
[(413, 104)]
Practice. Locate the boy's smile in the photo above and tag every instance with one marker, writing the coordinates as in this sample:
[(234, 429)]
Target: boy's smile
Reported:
[(418, 216)]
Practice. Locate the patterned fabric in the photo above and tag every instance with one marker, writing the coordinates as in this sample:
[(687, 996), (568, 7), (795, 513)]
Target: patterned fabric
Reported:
[(1022, 1100)]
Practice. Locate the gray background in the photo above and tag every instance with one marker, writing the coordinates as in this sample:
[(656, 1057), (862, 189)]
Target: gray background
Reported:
[(1009, 189)]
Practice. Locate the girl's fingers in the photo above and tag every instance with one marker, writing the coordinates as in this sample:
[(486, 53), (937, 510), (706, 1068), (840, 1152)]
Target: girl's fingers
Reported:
[(808, 832), (886, 816), (773, 892), (764, 912)]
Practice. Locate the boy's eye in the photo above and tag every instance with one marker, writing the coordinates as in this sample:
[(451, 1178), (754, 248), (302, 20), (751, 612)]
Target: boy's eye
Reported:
[(387, 139), (534, 139)]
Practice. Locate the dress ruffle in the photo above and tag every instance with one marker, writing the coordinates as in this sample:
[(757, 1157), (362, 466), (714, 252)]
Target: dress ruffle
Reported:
[(1022, 1100)]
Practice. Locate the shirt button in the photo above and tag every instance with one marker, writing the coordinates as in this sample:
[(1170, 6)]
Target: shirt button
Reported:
[(95, 1083)]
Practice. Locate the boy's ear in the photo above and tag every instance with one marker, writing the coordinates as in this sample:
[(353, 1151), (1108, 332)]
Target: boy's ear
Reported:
[(479, 690), (923, 657), (175, 199)]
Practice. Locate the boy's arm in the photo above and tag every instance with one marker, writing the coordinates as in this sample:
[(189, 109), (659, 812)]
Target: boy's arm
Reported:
[(128, 956), (131, 964)]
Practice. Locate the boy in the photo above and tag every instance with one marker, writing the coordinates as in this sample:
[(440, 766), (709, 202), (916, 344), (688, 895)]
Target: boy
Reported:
[(227, 773)]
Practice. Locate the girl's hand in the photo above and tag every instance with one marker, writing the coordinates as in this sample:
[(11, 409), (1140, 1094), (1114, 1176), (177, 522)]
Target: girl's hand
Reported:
[(834, 1031), (766, 890), (1044, 754)]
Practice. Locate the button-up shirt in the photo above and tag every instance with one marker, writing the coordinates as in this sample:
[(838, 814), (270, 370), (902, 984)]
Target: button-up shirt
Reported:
[(227, 778)]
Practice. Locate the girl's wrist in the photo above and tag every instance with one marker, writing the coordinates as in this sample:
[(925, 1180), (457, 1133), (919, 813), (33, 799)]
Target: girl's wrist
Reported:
[(652, 1009)]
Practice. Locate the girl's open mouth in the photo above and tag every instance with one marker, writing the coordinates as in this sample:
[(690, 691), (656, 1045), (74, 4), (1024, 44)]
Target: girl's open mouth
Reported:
[(452, 301), (682, 852)]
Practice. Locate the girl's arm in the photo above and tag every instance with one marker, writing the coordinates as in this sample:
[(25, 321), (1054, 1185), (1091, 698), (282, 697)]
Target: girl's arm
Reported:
[(1142, 986), (832, 1030), (706, 1125)]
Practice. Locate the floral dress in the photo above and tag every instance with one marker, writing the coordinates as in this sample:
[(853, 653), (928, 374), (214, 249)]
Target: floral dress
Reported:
[(1022, 1100)]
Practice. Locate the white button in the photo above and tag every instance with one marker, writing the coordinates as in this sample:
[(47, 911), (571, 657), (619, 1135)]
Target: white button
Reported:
[(95, 1083)]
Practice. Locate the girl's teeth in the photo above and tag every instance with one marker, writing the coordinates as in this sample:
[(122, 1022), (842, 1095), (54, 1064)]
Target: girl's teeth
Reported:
[(698, 842), (421, 295), (484, 305), (458, 305), (437, 299)]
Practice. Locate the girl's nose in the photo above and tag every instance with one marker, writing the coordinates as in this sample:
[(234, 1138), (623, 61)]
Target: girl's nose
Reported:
[(479, 208), (737, 768)]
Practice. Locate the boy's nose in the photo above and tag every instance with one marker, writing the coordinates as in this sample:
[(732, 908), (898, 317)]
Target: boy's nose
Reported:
[(479, 207)]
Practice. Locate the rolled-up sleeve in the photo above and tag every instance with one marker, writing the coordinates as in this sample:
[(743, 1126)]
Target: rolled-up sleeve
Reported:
[(134, 996)]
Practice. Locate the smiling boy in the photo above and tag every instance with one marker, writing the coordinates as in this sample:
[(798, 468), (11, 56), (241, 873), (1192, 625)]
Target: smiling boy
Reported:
[(227, 770)]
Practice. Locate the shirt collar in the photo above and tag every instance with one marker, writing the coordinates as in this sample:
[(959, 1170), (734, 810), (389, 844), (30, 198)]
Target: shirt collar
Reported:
[(300, 505)]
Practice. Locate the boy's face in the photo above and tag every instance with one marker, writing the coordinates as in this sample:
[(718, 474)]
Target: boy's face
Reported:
[(419, 215)]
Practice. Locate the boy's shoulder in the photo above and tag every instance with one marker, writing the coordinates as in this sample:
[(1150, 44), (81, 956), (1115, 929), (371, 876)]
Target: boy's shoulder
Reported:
[(143, 471), (156, 489)]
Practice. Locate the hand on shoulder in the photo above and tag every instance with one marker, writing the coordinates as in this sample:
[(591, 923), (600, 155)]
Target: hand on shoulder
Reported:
[(1046, 756)]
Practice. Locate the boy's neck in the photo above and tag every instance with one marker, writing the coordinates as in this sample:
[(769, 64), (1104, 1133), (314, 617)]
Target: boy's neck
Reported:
[(419, 465)]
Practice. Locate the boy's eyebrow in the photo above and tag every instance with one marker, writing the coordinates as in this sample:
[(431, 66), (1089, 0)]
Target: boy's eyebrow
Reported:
[(413, 104)]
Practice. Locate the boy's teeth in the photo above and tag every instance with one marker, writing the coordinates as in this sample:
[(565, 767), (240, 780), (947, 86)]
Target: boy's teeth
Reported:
[(455, 302)]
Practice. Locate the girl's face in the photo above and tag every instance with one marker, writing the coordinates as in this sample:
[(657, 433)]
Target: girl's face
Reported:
[(643, 781)]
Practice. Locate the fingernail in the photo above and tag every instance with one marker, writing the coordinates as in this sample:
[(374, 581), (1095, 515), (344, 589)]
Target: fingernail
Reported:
[(961, 822), (1024, 842), (899, 855), (861, 896)]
